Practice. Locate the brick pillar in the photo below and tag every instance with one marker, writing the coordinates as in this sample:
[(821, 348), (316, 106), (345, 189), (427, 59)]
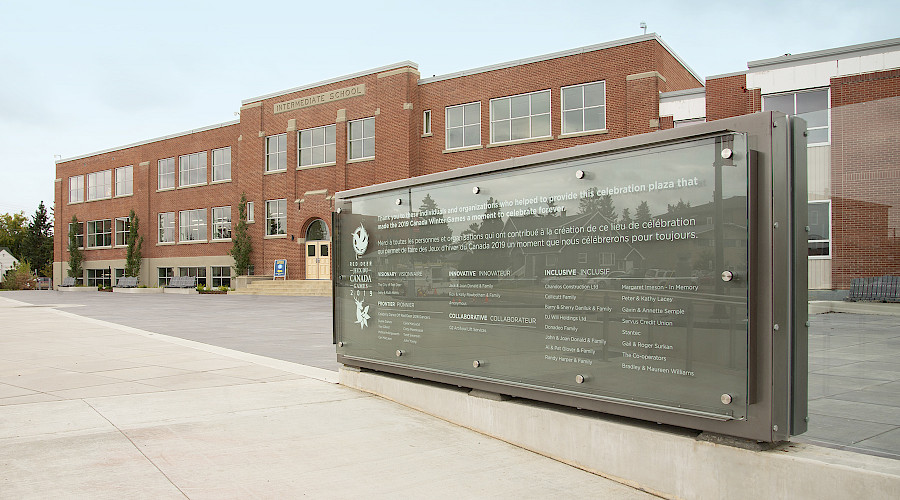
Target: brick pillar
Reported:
[(642, 102)]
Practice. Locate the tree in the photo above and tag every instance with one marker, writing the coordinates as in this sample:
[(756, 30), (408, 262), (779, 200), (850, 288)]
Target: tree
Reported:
[(19, 277), (606, 209), (13, 229), (241, 247), (38, 244), (76, 254), (642, 214), (626, 216), (134, 241)]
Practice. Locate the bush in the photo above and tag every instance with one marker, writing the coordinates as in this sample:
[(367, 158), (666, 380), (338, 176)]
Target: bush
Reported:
[(19, 278)]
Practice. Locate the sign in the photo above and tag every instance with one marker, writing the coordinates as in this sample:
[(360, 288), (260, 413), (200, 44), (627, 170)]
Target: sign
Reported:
[(322, 98), (280, 269), (621, 279)]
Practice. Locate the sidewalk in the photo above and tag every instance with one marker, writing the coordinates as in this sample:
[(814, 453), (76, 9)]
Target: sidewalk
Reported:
[(91, 409)]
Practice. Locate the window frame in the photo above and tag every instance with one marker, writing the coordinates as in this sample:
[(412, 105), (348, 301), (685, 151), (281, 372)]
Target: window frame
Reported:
[(79, 190), (274, 218), (362, 140), (828, 241), (198, 272), (188, 173), (126, 227), (426, 123), (462, 126), (217, 278), (250, 214), (531, 115), (221, 168), (189, 224), (794, 94), (92, 234), (169, 176), (92, 185), (583, 108), (279, 155), (165, 228), (217, 224), (326, 146), (79, 235), (164, 275), (125, 181)]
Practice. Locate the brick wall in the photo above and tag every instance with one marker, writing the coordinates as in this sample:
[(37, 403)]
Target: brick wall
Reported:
[(729, 96), (865, 176)]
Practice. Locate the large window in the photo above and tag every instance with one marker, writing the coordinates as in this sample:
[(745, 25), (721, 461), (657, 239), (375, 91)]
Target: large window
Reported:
[(76, 189), (192, 169), (98, 277), (99, 233), (166, 227), (276, 217), (316, 146), (221, 218), (165, 174), (165, 275), (276, 153), (361, 139), (221, 276), (221, 164), (463, 125), (811, 105), (192, 225), (123, 224), (819, 229), (99, 185), (125, 181), (520, 117), (584, 108), (196, 272)]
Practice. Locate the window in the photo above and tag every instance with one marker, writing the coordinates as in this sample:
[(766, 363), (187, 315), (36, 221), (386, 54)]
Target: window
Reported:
[(192, 169), (463, 125), (249, 211), (123, 224), (221, 164), (361, 138), (192, 225), (584, 108), (98, 277), (165, 173), (276, 153), (811, 105), (426, 122), (819, 229), (99, 185), (99, 233), (276, 217), (76, 189), (221, 217), (520, 117), (316, 146), (125, 181), (167, 227), (165, 275), (79, 234), (221, 276), (196, 272)]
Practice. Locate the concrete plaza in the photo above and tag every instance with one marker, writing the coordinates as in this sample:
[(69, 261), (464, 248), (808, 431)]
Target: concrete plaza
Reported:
[(112, 395)]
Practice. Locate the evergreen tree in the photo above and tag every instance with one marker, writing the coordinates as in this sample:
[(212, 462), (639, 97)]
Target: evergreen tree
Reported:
[(38, 245), (642, 214), (241, 247), (606, 209), (626, 216), (134, 241), (590, 203), (681, 205), (76, 254), (437, 226)]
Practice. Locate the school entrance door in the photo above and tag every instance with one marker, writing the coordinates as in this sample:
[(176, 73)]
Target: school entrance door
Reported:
[(318, 260)]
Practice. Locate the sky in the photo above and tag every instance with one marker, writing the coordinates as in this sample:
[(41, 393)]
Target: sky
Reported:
[(82, 76)]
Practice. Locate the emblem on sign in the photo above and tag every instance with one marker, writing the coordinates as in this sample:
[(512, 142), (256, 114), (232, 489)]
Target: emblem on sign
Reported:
[(362, 314), (360, 241)]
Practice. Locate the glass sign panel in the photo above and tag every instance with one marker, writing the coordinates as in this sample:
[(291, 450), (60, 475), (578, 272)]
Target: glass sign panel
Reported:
[(621, 277)]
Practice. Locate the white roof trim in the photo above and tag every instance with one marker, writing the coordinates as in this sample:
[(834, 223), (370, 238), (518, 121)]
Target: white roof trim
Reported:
[(148, 141), (828, 53), (332, 80), (698, 92), (564, 53)]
